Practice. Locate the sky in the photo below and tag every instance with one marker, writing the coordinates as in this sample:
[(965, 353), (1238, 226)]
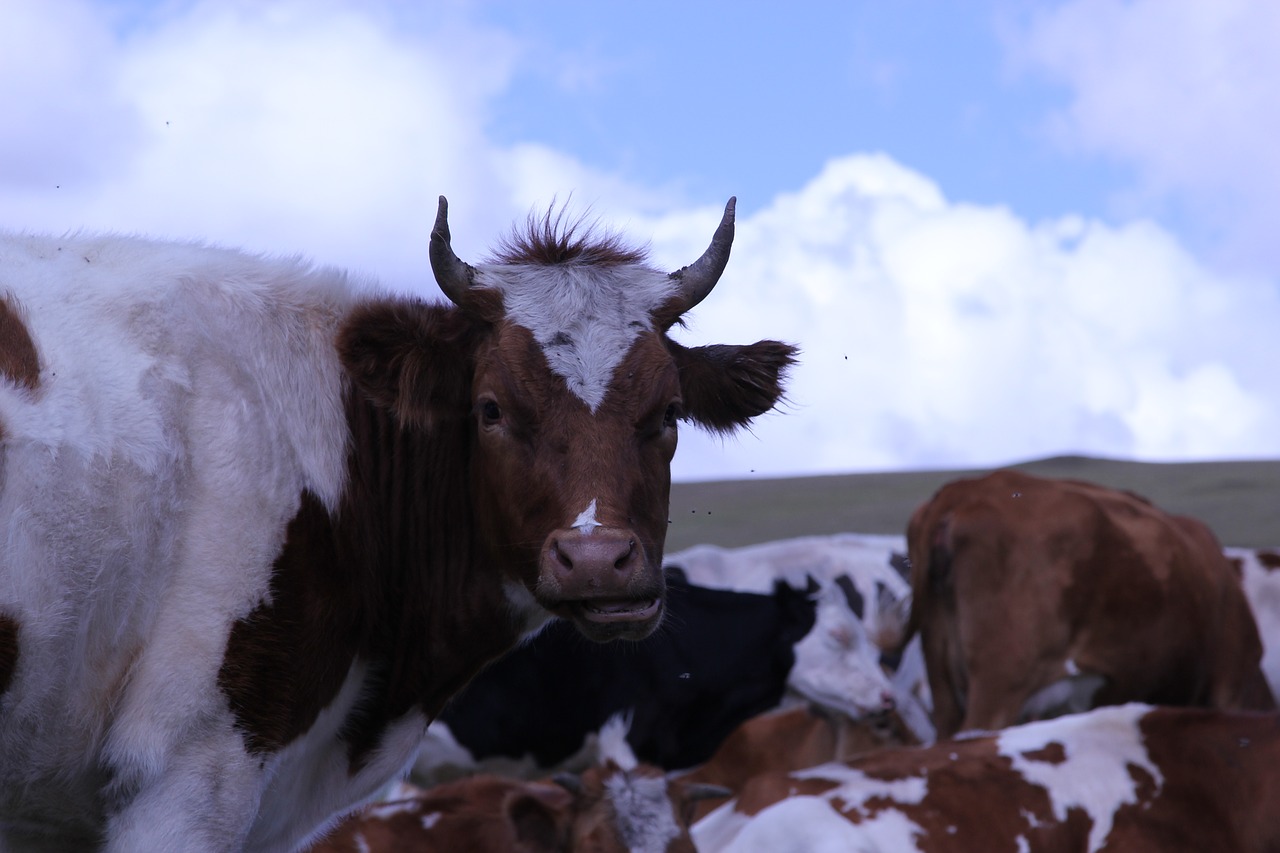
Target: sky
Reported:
[(997, 230)]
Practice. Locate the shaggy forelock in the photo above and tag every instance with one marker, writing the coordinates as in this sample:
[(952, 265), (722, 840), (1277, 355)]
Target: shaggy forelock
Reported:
[(556, 238)]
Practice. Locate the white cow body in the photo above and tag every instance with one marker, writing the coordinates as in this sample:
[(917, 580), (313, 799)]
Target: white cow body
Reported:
[(165, 449), (258, 524)]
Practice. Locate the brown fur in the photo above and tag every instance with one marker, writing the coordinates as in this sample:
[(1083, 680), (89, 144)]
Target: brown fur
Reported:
[(552, 239), (1014, 575), (442, 506), (19, 361), (480, 814), (1218, 791), (753, 387), (792, 739), (492, 814), (975, 801)]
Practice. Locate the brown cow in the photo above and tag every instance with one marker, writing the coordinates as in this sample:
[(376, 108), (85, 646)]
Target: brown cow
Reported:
[(1127, 778), (260, 523), (607, 809), (793, 738), (1035, 596)]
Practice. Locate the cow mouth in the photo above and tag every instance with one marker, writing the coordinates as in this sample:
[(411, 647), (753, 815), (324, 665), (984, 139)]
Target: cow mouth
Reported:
[(608, 610)]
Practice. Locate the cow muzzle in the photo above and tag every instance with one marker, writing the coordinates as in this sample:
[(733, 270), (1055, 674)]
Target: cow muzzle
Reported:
[(601, 581)]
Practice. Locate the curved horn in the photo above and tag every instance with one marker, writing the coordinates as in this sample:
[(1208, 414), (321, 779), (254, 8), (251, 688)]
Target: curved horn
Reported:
[(697, 279), (706, 791), (452, 274)]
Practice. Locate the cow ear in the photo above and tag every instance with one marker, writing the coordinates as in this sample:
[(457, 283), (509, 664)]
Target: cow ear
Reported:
[(724, 387), (410, 357), (538, 816)]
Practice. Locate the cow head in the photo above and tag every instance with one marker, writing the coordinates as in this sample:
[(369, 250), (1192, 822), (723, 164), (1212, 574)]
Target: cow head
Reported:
[(557, 352)]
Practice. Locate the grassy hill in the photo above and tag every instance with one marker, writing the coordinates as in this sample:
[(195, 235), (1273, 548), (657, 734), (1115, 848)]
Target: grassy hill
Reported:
[(1239, 500)]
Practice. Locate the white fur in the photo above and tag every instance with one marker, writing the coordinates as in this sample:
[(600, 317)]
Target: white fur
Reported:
[(836, 664), (586, 521), (187, 396), (804, 825), (643, 812), (585, 317), (1100, 747), (1262, 588)]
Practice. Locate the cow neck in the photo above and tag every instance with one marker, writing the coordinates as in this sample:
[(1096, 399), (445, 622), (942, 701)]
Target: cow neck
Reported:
[(392, 578), (439, 602)]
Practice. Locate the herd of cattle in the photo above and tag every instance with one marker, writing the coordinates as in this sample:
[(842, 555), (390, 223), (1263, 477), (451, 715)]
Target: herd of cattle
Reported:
[(1091, 665), (271, 540)]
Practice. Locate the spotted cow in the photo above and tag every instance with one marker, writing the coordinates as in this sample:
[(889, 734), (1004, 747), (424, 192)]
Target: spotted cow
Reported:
[(1129, 778), (1036, 596), (259, 523), (606, 809), (1259, 570)]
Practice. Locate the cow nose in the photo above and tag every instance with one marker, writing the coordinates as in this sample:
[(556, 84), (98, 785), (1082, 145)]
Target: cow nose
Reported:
[(593, 554)]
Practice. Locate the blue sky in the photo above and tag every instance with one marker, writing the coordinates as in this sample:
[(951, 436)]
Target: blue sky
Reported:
[(997, 230), (711, 96)]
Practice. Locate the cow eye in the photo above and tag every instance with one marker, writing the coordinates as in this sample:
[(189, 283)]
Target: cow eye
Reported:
[(671, 416), (490, 412)]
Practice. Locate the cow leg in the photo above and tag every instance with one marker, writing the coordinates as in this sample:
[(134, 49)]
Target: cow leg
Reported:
[(203, 802)]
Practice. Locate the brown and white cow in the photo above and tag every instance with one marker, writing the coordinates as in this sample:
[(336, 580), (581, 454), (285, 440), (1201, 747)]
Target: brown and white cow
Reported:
[(257, 526), (1128, 778), (1036, 596), (604, 810), (618, 805), (792, 739), (1259, 570)]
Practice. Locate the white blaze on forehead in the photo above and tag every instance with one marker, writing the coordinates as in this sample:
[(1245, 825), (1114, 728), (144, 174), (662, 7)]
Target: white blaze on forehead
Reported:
[(645, 818), (1099, 747), (585, 317), (586, 521)]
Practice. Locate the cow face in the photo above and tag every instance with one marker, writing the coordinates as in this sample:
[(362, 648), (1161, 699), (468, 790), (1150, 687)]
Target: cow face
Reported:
[(574, 393)]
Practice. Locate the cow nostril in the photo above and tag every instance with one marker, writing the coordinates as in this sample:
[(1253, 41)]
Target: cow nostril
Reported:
[(621, 562), (560, 558)]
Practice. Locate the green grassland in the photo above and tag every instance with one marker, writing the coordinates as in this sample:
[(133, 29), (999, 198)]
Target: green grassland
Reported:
[(1239, 500)]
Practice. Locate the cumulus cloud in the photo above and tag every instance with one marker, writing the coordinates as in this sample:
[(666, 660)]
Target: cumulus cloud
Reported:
[(1185, 92), (934, 333), (942, 334), (270, 126)]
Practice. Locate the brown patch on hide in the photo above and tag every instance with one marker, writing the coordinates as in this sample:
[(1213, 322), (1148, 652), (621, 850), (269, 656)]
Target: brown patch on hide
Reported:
[(8, 650), (19, 361), (1050, 753), (387, 581), (286, 660), (1270, 560)]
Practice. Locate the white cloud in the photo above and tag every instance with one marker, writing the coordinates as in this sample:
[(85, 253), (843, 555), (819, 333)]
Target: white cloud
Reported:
[(933, 333), (1187, 93), (948, 334), (264, 125)]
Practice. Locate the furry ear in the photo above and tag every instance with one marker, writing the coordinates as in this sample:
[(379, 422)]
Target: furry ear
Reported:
[(724, 386), (411, 357), (539, 817)]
